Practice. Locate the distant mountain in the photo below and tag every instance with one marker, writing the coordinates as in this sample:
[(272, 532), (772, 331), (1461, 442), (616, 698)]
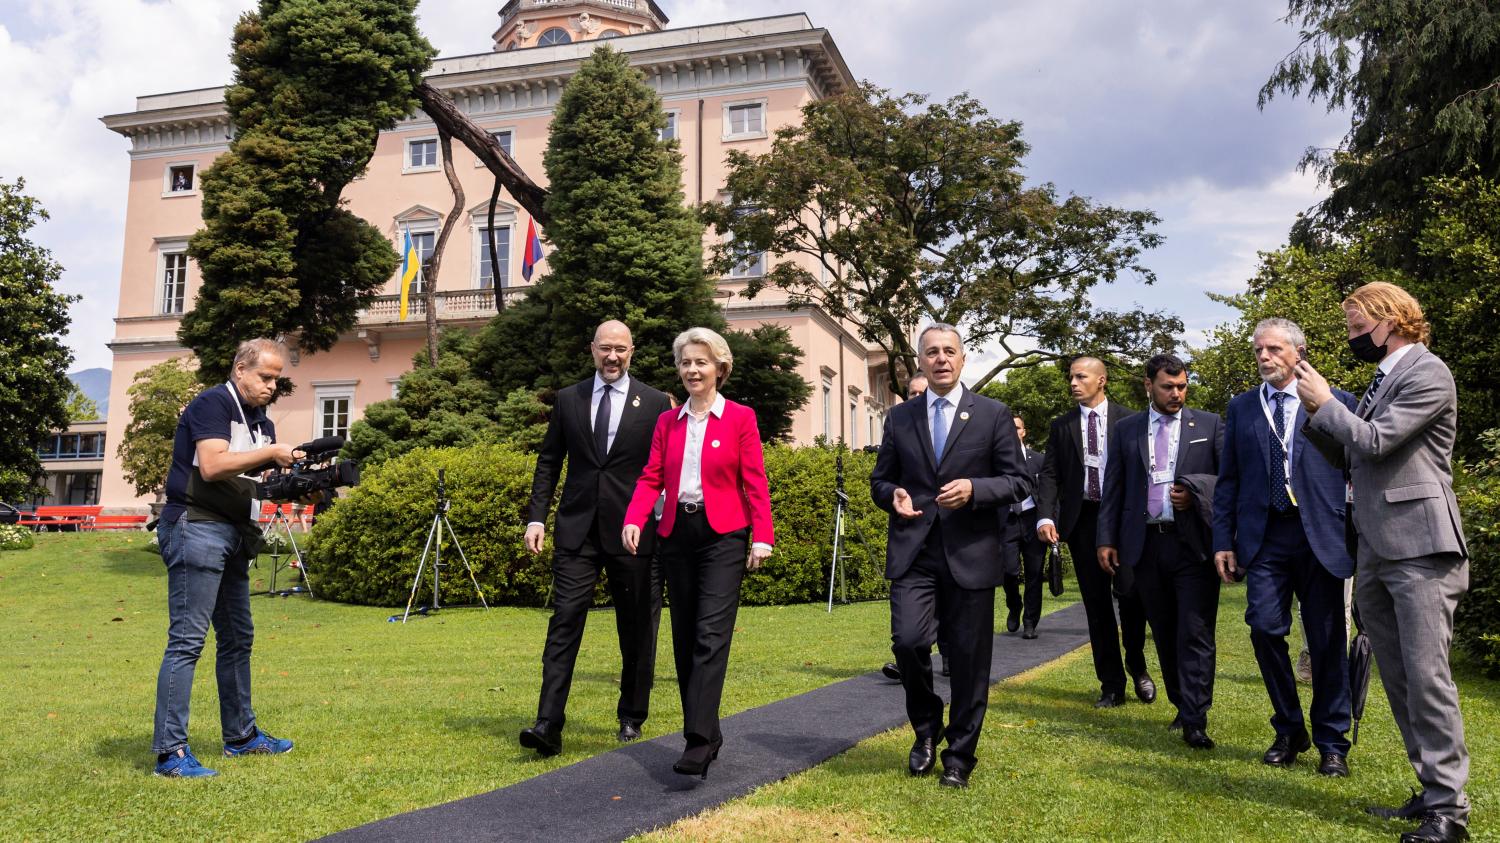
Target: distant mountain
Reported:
[(95, 384)]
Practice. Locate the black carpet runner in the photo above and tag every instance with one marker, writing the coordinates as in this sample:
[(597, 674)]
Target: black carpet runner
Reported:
[(631, 790)]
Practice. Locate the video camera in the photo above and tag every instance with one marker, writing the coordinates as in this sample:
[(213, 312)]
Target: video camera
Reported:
[(318, 470)]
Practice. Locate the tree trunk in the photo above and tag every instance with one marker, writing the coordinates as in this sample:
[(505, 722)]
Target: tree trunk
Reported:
[(489, 242), (453, 122), (430, 293)]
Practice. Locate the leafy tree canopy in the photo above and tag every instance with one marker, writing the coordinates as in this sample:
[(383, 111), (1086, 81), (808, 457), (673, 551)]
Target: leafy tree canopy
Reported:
[(158, 395), (315, 82), (34, 384), (897, 211), (1039, 393)]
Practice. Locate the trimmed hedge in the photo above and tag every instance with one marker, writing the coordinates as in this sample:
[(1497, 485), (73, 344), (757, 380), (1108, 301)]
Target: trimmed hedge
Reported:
[(1477, 621), (365, 549)]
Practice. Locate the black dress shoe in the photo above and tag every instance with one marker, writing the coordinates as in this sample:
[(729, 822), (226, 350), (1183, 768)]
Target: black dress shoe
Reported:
[(954, 777), (1435, 828), (628, 731), (1013, 620), (1411, 810), (1028, 631), (891, 672), (1145, 689), (1284, 750), (1110, 699), (1334, 766), (1197, 738), (1176, 724), (543, 737), (695, 759), (923, 756)]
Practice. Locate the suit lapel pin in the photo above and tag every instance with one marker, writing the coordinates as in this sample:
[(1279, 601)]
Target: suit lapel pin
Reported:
[(714, 443), (1192, 423), (964, 416), (636, 401)]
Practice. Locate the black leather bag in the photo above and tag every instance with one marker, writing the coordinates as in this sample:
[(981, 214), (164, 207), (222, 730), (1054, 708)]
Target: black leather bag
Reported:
[(1054, 570)]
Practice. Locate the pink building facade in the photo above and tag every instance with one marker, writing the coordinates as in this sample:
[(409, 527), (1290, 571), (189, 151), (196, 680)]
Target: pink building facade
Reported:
[(724, 86)]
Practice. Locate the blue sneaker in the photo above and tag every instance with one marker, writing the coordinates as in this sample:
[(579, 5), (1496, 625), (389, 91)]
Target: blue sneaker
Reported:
[(182, 765), (261, 744)]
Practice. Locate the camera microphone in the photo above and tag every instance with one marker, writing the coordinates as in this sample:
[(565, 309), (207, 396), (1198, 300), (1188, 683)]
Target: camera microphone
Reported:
[(322, 446)]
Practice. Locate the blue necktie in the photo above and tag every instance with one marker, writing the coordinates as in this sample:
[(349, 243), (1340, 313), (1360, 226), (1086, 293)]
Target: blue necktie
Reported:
[(939, 428), (1280, 500), (1369, 396)]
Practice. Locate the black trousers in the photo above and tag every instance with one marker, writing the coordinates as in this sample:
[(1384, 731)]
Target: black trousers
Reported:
[(636, 591), (1181, 593), (704, 570), (1099, 599), (926, 603), (1023, 567)]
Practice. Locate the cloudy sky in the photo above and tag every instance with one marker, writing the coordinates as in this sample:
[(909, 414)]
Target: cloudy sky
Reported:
[(1145, 104)]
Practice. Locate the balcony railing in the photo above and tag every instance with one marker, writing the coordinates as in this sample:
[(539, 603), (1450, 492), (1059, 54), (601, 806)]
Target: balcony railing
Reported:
[(452, 305)]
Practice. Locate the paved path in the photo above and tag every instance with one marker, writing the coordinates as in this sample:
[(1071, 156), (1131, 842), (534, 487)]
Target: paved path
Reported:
[(627, 791)]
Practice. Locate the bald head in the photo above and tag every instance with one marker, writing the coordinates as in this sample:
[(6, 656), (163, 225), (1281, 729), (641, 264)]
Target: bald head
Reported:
[(1087, 378), (612, 349)]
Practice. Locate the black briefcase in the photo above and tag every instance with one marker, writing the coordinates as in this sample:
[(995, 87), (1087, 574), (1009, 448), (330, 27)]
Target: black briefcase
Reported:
[(1054, 570)]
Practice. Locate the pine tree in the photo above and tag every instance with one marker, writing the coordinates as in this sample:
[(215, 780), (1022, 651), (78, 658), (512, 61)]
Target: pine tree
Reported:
[(315, 83)]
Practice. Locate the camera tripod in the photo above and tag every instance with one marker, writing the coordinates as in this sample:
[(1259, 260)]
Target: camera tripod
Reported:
[(840, 507), (434, 546), (280, 526)]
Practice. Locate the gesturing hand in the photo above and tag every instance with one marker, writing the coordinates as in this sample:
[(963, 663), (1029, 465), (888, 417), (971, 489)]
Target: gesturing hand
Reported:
[(955, 494), (902, 504)]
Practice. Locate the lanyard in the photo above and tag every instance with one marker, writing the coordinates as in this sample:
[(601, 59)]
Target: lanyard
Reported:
[(1291, 428)]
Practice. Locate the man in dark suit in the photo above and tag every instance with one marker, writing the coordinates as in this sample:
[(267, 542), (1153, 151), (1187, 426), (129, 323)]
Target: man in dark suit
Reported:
[(1155, 520), (948, 464), (1024, 552), (1068, 495), (1279, 523), (602, 428)]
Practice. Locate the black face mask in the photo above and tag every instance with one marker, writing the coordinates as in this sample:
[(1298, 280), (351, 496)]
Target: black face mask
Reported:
[(1365, 349)]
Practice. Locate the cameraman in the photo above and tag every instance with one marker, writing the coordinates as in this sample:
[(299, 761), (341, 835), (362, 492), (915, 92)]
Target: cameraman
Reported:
[(209, 536)]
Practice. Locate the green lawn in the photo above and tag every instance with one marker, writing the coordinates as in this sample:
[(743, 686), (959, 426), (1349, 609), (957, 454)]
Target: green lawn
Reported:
[(386, 717), (1054, 769)]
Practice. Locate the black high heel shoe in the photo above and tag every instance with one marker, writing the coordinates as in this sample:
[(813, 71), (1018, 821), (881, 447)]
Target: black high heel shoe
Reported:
[(695, 760)]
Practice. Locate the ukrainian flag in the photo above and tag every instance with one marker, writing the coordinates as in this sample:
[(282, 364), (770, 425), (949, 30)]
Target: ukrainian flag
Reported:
[(411, 265)]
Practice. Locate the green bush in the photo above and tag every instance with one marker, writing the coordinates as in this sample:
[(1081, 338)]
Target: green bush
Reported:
[(365, 549), (802, 496), (15, 538), (1477, 622)]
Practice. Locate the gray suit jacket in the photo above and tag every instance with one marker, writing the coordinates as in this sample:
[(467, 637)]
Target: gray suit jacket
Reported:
[(1399, 454)]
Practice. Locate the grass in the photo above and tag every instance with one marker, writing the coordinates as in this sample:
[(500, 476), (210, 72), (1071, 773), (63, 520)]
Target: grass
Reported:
[(387, 718), (1052, 768)]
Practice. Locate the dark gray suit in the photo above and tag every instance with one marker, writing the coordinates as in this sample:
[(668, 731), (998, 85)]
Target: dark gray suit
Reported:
[(1412, 558), (944, 564)]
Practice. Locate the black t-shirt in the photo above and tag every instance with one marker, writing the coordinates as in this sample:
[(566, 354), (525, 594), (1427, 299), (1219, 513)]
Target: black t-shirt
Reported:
[(212, 415)]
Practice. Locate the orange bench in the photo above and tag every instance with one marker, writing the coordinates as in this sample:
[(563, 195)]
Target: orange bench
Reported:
[(116, 522), (296, 514), (77, 517)]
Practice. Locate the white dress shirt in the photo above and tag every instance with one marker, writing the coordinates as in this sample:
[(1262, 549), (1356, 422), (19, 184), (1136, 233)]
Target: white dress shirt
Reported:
[(621, 390), (1393, 358), (1102, 432), (1289, 407), (1169, 460), (690, 481)]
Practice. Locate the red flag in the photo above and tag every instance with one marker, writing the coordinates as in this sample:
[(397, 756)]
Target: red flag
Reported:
[(533, 252)]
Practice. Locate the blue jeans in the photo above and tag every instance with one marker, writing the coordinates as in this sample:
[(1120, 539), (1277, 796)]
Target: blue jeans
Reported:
[(207, 581)]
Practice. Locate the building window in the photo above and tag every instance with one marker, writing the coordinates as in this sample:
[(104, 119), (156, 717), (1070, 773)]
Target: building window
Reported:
[(853, 424), (828, 409), (610, 33), (72, 446), (421, 155), (745, 120), (179, 179), (670, 132), (752, 264), (81, 488), (173, 282), (555, 35), (502, 252), (425, 242), (506, 139), (874, 430), (333, 415), (512, 45)]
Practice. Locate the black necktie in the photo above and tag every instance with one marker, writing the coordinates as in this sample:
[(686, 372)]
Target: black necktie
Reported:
[(1280, 500), (1369, 398), (601, 425)]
